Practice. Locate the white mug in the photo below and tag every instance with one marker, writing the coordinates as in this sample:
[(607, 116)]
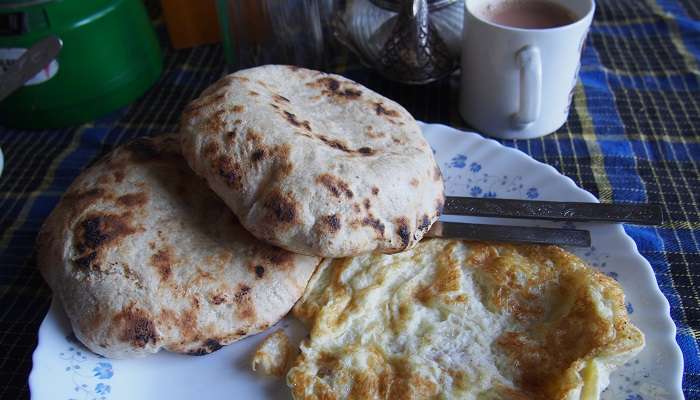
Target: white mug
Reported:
[(517, 83)]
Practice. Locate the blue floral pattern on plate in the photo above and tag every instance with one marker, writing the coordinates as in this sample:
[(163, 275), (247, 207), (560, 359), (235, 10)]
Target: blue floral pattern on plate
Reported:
[(458, 161), (634, 382), (479, 183), (103, 370), (87, 383)]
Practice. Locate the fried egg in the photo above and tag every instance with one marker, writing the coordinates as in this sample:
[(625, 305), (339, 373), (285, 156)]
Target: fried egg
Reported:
[(452, 319), (272, 355)]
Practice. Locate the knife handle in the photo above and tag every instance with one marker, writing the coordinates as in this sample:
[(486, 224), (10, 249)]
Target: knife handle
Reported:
[(508, 233), (642, 214)]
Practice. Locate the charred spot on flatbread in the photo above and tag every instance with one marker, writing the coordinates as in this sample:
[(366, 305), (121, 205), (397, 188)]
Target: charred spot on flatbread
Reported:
[(136, 327), (132, 199), (96, 233), (282, 208), (335, 185), (403, 231), (333, 88), (329, 224)]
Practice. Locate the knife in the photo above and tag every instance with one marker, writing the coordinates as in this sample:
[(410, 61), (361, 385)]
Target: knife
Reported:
[(642, 214), (29, 64), (506, 233)]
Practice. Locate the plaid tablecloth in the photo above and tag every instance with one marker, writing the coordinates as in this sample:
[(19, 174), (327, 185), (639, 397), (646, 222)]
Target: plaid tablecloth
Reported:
[(633, 135)]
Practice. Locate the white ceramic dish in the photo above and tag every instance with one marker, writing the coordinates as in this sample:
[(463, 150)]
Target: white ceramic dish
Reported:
[(472, 165)]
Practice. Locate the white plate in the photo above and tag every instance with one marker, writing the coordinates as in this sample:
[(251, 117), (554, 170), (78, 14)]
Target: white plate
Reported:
[(472, 165)]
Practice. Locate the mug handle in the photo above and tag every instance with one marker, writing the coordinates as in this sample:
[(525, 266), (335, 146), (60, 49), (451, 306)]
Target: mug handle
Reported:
[(530, 63)]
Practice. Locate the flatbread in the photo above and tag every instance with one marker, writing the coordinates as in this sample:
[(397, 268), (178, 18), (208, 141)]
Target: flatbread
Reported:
[(313, 162), (144, 256), (456, 320)]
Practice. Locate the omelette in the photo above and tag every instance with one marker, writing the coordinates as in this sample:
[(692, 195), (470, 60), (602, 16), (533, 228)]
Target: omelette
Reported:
[(450, 319), (272, 355)]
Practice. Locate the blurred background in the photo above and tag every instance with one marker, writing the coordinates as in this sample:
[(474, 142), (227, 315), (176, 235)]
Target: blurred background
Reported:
[(108, 53)]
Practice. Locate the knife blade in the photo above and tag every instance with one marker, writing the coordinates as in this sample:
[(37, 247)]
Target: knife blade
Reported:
[(642, 214), (507, 233), (29, 64)]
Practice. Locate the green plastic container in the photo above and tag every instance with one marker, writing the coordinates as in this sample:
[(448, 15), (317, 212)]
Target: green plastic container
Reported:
[(110, 57)]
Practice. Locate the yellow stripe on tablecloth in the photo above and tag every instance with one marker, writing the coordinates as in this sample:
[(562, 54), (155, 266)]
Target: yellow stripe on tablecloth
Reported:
[(676, 224), (631, 21), (589, 137), (627, 136), (676, 38), (640, 75)]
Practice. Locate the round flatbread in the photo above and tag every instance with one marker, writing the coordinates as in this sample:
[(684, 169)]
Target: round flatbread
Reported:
[(144, 256), (314, 163)]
